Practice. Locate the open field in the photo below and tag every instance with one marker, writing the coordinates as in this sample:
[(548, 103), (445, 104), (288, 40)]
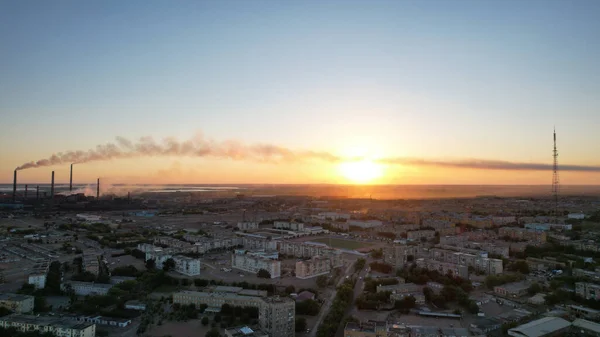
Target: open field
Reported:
[(342, 243)]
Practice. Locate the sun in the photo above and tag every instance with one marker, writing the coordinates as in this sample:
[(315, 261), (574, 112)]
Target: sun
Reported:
[(361, 172)]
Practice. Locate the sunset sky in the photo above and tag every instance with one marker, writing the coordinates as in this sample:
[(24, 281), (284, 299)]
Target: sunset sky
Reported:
[(428, 80)]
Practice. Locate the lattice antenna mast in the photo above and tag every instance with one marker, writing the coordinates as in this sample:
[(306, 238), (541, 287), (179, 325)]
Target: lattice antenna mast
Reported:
[(555, 180)]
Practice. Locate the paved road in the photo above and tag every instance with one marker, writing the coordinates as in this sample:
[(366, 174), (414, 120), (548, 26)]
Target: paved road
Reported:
[(327, 304)]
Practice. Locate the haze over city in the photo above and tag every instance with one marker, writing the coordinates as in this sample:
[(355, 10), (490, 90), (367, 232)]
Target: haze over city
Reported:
[(391, 92)]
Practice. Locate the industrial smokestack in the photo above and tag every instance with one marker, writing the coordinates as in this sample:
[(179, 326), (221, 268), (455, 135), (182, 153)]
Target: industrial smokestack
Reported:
[(52, 187), (14, 197), (98, 189), (26, 186), (71, 179)]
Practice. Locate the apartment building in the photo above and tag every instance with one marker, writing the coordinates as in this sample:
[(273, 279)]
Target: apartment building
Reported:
[(448, 231), (187, 265), (291, 225), (276, 314), (37, 277), (90, 263), (453, 239), (313, 267), (255, 241), (86, 288), (588, 290), (60, 327), (398, 255), (523, 234), (437, 224), (174, 243), (246, 225), (207, 244), (490, 247), (56, 238), (366, 329), (159, 256), (17, 303), (418, 234), (252, 262), (300, 249), (444, 267), (479, 261)]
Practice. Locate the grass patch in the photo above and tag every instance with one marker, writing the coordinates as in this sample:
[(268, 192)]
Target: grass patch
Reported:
[(341, 243)]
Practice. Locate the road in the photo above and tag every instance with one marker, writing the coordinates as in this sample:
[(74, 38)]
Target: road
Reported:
[(357, 291)]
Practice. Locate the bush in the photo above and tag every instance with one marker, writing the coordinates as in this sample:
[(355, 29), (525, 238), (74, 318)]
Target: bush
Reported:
[(300, 324), (263, 273)]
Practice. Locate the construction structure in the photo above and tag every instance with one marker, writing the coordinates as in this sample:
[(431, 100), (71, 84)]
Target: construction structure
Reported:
[(555, 180)]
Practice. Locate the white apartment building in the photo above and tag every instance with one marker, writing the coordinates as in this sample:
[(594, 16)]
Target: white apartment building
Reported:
[(276, 314), (254, 241), (37, 279), (60, 327), (292, 225), (247, 225), (300, 249), (17, 303), (418, 234), (187, 265), (247, 261), (86, 288), (314, 267), (398, 255)]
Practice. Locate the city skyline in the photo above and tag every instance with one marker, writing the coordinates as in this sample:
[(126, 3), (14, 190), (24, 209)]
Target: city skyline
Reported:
[(429, 83)]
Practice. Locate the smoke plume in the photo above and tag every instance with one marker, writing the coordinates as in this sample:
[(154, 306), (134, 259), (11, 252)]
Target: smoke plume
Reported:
[(199, 147)]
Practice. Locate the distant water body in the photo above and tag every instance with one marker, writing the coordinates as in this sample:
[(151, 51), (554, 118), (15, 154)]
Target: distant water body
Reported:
[(352, 191)]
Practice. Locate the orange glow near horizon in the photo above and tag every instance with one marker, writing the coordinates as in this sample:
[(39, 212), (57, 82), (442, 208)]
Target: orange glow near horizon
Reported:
[(361, 172)]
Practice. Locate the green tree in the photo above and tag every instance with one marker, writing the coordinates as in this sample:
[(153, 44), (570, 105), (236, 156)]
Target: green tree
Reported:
[(150, 264), (169, 265), (290, 289), (263, 273), (534, 289), (359, 264), (300, 324), (214, 332), (321, 281), (205, 321)]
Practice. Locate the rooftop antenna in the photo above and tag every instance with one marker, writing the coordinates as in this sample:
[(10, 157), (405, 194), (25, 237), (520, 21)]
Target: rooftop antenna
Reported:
[(555, 180)]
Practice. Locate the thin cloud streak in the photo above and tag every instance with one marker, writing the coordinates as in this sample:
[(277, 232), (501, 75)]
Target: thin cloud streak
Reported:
[(198, 146), (484, 164)]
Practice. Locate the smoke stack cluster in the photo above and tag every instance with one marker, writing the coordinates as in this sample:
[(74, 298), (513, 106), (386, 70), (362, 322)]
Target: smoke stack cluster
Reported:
[(71, 179), (52, 186), (14, 196)]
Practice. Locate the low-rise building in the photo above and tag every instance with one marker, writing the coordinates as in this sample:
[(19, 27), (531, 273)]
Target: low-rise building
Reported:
[(135, 305), (290, 225), (583, 312), (518, 233), (366, 329), (61, 327), (585, 328), (246, 225), (244, 331), (547, 326), (444, 267), (187, 265), (418, 234), (399, 291), (247, 261), (17, 303), (512, 290)]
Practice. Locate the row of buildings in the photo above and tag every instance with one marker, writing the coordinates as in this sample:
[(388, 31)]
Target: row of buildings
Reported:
[(183, 264), (276, 314)]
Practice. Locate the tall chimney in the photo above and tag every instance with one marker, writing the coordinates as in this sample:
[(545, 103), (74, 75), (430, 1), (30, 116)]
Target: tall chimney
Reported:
[(26, 186), (98, 189), (52, 187), (14, 197), (37, 192), (71, 180)]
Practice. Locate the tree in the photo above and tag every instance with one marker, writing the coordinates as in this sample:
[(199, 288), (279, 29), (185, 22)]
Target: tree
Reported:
[(217, 318), (214, 332), (359, 264), (205, 321), (169, 264), (150, 264), (300, 324), (519, 266), (290, 289), (321, 281), (534, 289), (263, 273)]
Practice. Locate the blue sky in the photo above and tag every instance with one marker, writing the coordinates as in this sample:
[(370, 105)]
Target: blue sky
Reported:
[(457, 79)]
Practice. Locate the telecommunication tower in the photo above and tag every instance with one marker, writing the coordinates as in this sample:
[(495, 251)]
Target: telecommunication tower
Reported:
[(555, 181)]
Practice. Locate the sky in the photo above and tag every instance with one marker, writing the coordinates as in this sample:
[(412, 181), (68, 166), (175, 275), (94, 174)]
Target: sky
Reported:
[(432, 80)]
